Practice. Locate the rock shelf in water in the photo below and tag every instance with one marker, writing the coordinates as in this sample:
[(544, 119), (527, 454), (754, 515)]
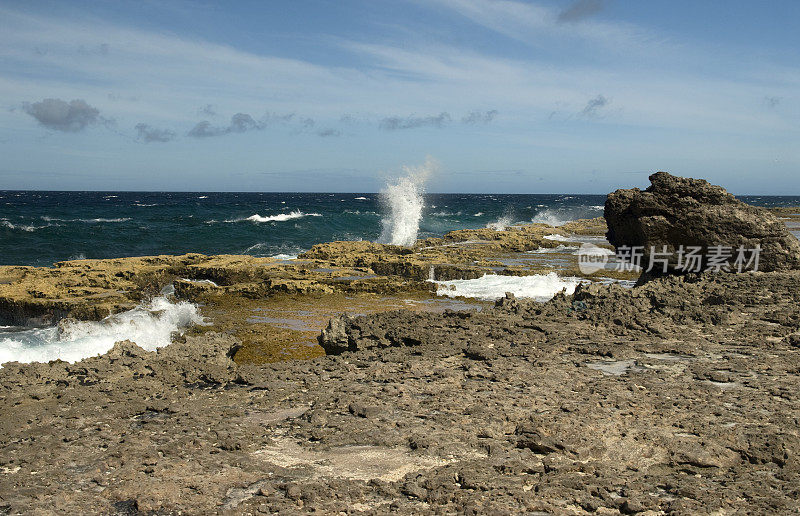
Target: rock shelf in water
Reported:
[(248, 296)]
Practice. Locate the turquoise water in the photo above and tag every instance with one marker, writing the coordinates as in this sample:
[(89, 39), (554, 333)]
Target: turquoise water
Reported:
[(39, 228)]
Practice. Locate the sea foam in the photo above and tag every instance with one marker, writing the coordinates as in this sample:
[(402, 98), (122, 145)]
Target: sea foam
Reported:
[(150, 325), (404, 201), (281, 217), (557, 238), (551, 218), (558, 249), (24, 227), (540, 287), (501, 224), (9, 225)]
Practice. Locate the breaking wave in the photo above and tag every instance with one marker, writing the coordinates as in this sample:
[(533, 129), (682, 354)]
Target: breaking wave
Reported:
[(560, 216), (501, 224), (540, 287), (24, 227), (270, 250), (150, 325), (551, 218), (558, 249), (88, 221), (281, 217), (557, 238), (9, 225)]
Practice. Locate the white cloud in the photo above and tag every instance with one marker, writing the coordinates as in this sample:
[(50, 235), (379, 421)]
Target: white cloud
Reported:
[(536, 24), (160, 79), (168, 73)]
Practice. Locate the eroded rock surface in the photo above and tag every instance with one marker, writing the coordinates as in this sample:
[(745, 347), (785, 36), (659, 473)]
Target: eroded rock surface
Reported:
[(93, 289), (256, 298), (676, 397), (677, 211)]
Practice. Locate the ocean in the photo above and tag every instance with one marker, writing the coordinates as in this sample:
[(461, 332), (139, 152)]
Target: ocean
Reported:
[(40, 228)]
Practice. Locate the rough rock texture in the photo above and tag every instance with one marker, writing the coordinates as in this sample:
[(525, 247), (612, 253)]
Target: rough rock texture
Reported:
[(677, 211), (677, 397), (257, 299), (93, 289)]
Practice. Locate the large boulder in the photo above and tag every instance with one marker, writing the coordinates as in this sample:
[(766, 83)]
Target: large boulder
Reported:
[(685, 214)]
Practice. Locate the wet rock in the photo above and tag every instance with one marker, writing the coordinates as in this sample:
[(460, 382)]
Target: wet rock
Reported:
[(677, 211), (508, 303)]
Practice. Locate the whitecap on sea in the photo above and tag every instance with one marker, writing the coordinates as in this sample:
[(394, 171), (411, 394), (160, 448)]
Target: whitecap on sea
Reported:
[(9, 225), (25, 227), (88, 221), (284, 256), (122, 219), (281, 217)]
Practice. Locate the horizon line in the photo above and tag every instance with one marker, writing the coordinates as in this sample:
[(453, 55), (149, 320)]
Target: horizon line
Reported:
[(348, 193)]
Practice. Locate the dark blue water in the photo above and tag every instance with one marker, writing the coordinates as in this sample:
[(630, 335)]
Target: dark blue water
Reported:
[(40, 228)]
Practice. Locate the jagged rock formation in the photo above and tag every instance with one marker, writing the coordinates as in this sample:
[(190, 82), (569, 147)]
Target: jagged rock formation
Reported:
[(677, 211), (679, 397)]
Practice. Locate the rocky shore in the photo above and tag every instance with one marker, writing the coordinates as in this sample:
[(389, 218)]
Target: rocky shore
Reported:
[(258, 299), (678, 396)]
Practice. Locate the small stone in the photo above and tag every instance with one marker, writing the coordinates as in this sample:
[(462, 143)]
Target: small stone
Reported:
[(294, 492), (365, 411), (793, 340), (266, 489)]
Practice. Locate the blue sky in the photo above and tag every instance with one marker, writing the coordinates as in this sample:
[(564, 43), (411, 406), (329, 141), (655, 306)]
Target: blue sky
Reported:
[(509, 96)]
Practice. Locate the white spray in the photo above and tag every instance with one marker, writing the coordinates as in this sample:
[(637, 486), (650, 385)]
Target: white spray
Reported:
[(502, 223), (149, 325), (404, 201)]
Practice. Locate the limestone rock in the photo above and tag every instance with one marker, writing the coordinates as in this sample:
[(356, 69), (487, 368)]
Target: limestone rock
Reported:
[(677, 212), (334, 338)]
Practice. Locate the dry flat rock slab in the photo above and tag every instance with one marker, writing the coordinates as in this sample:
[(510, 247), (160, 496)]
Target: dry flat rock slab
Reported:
[(676, 397), (677, 211)]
